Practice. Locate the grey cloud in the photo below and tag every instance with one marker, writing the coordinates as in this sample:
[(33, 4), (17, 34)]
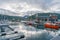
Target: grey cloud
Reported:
[(43, 4)]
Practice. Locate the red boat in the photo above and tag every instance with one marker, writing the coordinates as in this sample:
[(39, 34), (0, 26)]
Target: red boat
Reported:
[(30, 23), (52, 25)]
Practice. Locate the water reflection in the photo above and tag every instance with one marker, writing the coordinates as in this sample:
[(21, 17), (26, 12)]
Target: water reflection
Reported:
[(32, 33)]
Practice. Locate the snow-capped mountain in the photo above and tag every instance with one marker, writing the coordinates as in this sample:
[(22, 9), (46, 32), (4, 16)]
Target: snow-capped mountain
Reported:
[(28, 13), (8, 12)]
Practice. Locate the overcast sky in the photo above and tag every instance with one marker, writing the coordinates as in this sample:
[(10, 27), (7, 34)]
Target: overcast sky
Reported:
[(21, 6)]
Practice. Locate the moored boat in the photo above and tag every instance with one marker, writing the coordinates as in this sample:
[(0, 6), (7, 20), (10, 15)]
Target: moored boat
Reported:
[(52, 25)]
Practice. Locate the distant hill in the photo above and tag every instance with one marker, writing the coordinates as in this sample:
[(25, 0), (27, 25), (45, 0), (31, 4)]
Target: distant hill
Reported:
[(43, 14), (10, 18), (8, 12), (9, 15)]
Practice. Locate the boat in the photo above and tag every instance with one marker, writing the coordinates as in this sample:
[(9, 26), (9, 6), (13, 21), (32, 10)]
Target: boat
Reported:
[(52, 25), (30, 23), (9, 33)]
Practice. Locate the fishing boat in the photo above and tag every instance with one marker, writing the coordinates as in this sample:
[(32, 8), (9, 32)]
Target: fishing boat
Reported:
[(52, 23)]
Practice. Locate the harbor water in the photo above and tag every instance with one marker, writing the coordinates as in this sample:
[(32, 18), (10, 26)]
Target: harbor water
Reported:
[(33, 33)]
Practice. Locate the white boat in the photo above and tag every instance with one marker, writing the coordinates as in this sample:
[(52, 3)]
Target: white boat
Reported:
[(8, 33)]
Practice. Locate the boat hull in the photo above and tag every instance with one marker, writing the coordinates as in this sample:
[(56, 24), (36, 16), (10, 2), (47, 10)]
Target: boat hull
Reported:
[(51, 26)]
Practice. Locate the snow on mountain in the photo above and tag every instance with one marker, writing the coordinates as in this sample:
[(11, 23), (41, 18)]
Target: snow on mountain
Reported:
[(8, 12)]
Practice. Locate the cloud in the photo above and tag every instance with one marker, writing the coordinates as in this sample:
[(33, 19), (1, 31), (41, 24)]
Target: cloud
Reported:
[(21, 6), (36, 3)]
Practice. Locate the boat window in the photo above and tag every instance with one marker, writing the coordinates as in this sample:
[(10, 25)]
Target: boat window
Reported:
[(55, 20), (45, 19)]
